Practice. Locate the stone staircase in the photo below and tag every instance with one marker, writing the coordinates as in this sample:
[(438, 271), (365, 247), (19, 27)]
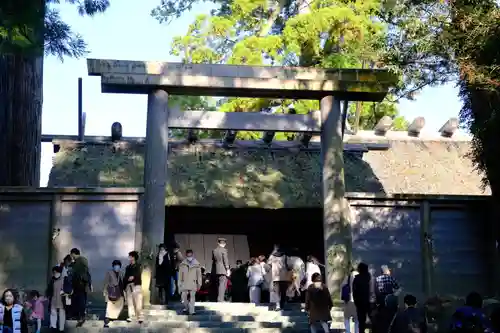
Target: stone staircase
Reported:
[(212, 317)]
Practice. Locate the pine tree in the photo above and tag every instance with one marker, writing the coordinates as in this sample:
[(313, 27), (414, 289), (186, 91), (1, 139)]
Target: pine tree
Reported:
[(29, 29), (320, 33)]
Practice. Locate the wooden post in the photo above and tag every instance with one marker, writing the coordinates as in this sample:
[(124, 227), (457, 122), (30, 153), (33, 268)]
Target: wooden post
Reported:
[(345, 113), (55, 257), (493, 214), (336, 212), (426, 245), (81, 124), (155, 180)]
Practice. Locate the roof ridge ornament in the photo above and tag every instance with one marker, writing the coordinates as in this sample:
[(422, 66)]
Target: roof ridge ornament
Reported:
[(449, 128), (416, 127), (383, 126)]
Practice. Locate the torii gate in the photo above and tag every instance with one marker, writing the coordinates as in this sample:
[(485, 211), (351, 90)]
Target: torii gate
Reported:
[(159, 79)]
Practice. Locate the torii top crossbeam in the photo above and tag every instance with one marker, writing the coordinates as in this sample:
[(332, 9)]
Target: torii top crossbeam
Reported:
[(136, 77)]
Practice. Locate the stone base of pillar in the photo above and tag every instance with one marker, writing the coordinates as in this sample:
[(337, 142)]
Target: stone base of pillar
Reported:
[(147, 284), (338, 246)]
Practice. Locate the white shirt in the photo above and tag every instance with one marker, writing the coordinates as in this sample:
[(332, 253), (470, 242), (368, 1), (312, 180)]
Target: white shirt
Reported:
[(350, 277), (311, 268), (64, 272), (297, 265), (255, 275)]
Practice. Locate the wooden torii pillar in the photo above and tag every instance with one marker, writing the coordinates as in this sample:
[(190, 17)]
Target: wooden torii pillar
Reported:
[(159, 79)]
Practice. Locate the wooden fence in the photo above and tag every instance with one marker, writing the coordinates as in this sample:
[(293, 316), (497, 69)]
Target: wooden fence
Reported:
[(425, 239)]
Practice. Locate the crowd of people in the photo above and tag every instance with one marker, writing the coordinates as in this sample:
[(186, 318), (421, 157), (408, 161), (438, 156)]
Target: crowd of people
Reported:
[(369, 300), (375, 299), (277, 279), (66, 296)]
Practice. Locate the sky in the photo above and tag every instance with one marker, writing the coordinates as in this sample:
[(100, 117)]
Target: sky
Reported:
[(126, 31)]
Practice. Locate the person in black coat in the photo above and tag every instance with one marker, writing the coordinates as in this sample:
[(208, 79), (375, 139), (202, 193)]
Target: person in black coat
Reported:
[(163, 274), (239, 281), (383, 317), (362, 291)]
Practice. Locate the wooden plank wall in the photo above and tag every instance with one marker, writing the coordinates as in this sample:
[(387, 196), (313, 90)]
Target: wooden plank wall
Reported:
[(420, 245), (202, 246), (39, 227), (59, 219)]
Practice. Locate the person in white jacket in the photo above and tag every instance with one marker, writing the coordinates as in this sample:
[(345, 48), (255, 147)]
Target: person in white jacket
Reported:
[(255, 275), (298, 273), (312, 266), (349, 308)]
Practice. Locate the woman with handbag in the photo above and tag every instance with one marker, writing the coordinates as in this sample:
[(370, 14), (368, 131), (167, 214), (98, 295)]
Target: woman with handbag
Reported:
[(113, 292), (280, 277), (297, 274), (255, 275), (163, 274)]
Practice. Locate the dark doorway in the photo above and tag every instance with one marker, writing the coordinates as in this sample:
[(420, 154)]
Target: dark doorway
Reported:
[(290, 227)]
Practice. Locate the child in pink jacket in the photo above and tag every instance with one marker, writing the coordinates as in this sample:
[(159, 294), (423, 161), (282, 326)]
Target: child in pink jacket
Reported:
[(38, 309)]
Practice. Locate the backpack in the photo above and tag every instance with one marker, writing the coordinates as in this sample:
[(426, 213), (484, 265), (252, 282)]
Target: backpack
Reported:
[(463, 321), (67, 285), (413, 327), (114, 293), (345, 293)]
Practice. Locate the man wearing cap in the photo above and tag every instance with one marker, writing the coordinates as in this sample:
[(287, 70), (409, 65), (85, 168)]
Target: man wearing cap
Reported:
[(220, 268)]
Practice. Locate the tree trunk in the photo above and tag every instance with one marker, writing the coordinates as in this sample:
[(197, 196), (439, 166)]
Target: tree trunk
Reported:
[(21, 93)]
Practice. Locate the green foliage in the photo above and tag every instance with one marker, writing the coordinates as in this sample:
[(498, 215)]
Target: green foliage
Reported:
[(371, 113), (26, 28), (320, 33), (195, 103), (416, 44), (476, 40), (191, 103), (431, 42)]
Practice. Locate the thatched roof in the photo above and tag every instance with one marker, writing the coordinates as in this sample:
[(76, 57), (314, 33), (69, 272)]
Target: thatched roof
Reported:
[(206, 174)]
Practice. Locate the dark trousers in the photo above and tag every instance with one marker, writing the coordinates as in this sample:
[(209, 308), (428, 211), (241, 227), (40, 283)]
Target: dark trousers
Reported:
[(221, 287), (280, 288), (79, 304), (381, 300), (163, 296), (264, 296), (164, 290), (239, 295), (174, 281), (363, 312)]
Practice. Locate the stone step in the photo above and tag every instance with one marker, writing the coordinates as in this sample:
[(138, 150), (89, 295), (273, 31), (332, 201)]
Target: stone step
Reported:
[(236, 309), (155, 327), (225, 307), (244, 320), (212, 324), (222, 312), (335, 313), (288, 304), (222, 319)]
